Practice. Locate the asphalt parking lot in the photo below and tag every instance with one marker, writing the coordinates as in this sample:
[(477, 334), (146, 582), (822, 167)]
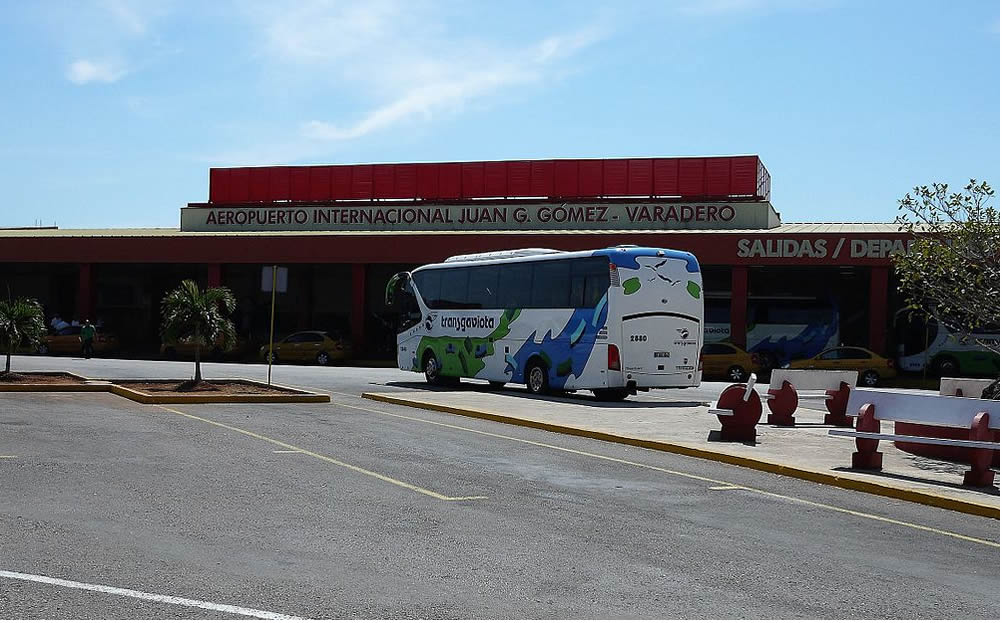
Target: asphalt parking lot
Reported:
[(359, 510)]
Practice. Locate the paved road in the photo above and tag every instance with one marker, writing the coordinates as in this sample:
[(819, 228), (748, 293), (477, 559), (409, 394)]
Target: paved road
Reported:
[(364, 510)]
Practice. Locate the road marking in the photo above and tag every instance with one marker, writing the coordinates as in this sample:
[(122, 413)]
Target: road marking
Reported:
[(725, 488), (8, 456), (166, 599), (361, 470), (685, 475)]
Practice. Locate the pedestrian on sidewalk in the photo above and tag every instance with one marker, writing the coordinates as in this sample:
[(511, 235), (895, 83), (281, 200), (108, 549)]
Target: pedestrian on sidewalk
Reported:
[(87, 332)]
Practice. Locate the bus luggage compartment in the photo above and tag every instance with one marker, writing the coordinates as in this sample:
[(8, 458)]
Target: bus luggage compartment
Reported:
[(661, 349)]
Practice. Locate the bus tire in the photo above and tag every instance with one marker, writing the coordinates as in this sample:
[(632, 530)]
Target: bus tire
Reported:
[(323, 358), (496, 384), (537, 377), (945, 366), (432, 368), (870, 378), (736, 374), (613, 394)]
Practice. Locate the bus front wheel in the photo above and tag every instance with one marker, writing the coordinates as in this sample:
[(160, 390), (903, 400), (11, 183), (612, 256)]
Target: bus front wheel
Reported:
[(537, 379), (945, 366), (432, 369)]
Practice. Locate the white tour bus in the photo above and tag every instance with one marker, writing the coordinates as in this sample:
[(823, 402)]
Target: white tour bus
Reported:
[(613, 321)]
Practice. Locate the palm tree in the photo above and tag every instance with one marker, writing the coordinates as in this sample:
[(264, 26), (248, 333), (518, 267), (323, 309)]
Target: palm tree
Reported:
[(22, 321), (194, 316)]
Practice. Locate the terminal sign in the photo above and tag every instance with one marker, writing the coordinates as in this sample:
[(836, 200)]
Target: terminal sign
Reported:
[(423, 217), (820, 248)]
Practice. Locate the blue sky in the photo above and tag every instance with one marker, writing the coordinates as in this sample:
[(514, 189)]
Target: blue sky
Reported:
[(114, 111)]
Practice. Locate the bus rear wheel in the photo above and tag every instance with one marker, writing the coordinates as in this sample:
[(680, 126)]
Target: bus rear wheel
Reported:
[(612, 394), (537, 379)]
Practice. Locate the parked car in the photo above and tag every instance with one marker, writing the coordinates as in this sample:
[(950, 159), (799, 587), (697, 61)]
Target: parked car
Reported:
[(871, 366), (66, 341), (319, 346), (721, 359), (186, 350)]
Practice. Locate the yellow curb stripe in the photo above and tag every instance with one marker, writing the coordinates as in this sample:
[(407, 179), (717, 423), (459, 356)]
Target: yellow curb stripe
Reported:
[(361, 470), (908, 495)]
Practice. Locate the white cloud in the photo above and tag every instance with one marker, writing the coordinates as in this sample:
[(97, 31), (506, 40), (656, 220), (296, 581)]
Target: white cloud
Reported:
[(403, 57), (85, 71)]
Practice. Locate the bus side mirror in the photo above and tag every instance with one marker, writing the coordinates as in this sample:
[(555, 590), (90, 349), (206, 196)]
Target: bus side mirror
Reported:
[(396, 281)]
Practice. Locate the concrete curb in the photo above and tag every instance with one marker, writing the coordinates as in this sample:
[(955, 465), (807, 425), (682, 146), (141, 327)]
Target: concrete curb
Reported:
[(95, 385), (843, 482)]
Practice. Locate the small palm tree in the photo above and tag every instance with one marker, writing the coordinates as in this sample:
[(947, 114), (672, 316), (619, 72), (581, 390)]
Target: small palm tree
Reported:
[(22, 321), (198, 317)]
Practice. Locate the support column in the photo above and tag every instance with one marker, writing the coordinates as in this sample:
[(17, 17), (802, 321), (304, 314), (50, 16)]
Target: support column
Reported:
[(358, 308), (739, 305), (85, 293), (215, 276), (878, 309)]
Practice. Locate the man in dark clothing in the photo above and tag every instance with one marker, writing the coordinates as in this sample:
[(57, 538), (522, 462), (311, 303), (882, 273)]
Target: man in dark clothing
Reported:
[(87, 337)]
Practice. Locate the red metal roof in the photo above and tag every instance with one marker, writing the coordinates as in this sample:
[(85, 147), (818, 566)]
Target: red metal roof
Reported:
[(690, 178)]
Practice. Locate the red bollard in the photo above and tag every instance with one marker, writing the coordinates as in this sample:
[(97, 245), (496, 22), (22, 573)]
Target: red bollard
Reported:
[(837, 402), (782, 404), (866, 455), (980, 475), (746, 406)]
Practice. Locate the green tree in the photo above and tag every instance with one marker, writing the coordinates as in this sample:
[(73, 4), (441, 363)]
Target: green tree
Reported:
[(22, 321), (951, 270), (198, 317)]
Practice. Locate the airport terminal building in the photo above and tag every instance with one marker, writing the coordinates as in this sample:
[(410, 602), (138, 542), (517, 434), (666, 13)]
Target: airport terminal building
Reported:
[(341, 231)]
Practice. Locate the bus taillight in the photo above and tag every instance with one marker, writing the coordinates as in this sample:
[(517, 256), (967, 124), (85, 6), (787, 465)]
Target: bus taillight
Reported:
[(614, 357)]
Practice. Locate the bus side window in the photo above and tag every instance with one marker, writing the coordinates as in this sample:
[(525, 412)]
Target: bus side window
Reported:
[(483, 289), (454, 288), (589, 281), (429, 285), (515, 286), (550, 284)]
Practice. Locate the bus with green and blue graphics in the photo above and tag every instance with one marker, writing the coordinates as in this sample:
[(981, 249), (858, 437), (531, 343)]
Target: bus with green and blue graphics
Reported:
[(923, 345), (614, 321)]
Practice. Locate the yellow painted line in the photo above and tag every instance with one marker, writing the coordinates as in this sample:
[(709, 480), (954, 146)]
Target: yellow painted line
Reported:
[(687, 475), (361, 470), (853, 484)]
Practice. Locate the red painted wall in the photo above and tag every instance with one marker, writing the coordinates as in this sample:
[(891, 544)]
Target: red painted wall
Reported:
[(687, 178)]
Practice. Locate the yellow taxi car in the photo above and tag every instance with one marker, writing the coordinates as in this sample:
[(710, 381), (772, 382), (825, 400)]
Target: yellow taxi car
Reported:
[(871, 366), (722, 359), (66, 341), (318, 346)]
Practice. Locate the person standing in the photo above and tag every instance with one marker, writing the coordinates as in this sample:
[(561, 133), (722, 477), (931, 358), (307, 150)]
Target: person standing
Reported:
[(87, 332)]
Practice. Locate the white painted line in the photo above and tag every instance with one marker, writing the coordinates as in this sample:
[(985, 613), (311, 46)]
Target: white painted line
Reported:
[(726, 488), (8, 456), (167, 599)]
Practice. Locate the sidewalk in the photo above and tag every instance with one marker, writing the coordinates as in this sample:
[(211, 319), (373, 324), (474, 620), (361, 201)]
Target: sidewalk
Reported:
[(671, 423)]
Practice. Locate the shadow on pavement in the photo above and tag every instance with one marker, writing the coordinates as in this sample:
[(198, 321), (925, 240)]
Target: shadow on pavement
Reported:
[(576, 398), (926, 481)]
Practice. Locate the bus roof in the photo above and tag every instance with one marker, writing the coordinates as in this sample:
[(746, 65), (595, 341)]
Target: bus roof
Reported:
[(625, 254)]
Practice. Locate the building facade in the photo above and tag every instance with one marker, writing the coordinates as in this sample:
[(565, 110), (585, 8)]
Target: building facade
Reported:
[(342, 231)]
